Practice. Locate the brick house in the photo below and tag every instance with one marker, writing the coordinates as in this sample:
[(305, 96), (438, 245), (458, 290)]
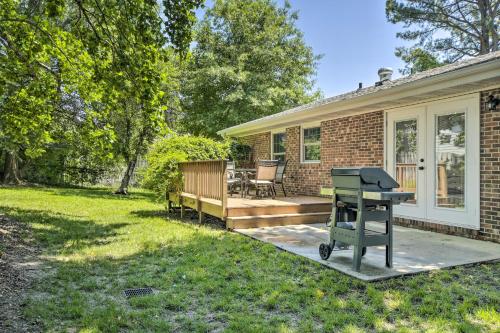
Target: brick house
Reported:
[(436, 132)]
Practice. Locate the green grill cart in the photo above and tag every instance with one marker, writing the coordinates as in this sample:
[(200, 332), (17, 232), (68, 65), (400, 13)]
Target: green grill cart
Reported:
[(361, 195)]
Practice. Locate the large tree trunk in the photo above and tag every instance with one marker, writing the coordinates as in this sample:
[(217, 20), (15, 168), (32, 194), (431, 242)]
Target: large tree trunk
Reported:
[(132, 161), (11, 169), (127, 176)]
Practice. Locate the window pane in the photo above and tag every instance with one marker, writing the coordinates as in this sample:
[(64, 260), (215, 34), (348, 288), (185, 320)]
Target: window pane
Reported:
[(312, 135), (279, 140), (450, 160), (406, 156), (312, 153)]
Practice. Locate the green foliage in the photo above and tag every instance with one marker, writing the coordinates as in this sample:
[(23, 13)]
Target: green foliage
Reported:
[(40, 64), (162, 172), (444, 31), (98, 74), (239, 151), (417, 60), (68, 165), (180, 16), (250, 60)]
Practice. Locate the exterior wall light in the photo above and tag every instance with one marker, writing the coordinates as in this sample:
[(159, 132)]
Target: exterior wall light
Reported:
[(492, 103)]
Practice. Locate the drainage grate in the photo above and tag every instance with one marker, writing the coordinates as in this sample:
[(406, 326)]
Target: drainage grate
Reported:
[(138, 292)]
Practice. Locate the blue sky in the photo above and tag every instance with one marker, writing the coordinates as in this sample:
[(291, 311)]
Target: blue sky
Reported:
[(354, 38)]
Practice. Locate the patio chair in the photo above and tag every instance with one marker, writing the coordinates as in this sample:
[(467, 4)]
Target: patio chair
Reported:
[(232, 180), (264, 177), (280, 176)]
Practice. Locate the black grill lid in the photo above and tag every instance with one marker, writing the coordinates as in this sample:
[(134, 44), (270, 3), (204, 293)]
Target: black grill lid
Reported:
[(369, 175)]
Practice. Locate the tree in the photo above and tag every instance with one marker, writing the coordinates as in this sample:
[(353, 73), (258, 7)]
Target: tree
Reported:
[(417, 60), (144, 90), (445, 31), (40, 64), (249, 61), (71, 70)]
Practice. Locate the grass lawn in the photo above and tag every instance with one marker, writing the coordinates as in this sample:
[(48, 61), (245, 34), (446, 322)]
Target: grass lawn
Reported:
[(95, 245)]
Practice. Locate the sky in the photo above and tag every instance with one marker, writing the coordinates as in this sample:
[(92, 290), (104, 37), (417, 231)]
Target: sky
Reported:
[(354, 38)]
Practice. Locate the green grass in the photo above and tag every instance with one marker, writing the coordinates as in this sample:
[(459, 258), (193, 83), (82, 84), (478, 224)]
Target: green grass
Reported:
[(96, 244)]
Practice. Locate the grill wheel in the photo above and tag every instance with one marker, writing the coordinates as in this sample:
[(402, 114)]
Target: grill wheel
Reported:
[(324, 251)]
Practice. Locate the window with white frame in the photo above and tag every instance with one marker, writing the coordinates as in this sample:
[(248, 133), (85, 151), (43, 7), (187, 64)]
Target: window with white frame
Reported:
[(279, 149), (311, 144)]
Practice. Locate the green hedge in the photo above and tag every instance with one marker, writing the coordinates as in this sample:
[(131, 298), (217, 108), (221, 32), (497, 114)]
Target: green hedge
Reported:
[(162, 172)]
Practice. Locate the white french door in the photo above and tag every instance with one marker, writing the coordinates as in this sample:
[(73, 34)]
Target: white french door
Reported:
[(406, 162), (433, 151)]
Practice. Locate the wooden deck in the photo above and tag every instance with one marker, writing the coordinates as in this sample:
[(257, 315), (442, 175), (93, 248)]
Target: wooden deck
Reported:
[(205, 190), (245, 213)]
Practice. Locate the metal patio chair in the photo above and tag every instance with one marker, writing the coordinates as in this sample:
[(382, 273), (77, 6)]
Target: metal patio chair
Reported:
[(232, 180), (280, 176), (265, 177)]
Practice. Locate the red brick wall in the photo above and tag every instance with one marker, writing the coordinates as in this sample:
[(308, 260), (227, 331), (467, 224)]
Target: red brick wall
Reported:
[(359, 141), (261, 145), (490, 170), (302, 178), (349, 141), (352, 141)]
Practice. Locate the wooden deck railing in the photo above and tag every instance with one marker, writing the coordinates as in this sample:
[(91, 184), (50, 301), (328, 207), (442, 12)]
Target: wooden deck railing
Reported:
[(406, 176), (205, 180)]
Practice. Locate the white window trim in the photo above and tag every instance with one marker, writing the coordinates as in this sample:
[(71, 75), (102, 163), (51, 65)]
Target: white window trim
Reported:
[(302, 149), (277, 131)]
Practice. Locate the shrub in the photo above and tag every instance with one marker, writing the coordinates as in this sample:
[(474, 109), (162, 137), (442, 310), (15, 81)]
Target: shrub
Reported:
[(240, 151), (63, 165), (162, 171)]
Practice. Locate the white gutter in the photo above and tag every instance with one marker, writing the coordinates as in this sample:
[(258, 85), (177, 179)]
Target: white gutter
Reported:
[(326, 108)]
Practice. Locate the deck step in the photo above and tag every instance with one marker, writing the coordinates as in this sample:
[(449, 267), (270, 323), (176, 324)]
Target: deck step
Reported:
[(279, 209), (245, 222)]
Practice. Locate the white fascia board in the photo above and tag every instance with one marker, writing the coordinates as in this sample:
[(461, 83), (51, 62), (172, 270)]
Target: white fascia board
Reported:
[(467, 75)]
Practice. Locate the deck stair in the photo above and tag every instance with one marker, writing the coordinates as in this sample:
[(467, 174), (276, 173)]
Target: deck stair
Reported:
[(244, 213)]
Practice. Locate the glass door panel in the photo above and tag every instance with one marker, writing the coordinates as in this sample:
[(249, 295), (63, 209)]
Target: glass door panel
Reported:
[(450, 157), (406, 156), (406, 151)]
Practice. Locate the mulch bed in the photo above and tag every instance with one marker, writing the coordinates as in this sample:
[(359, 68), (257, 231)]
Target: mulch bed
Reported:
[(19, 266)]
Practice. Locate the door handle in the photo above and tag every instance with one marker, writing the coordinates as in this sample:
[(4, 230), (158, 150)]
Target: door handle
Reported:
[(420, 168)]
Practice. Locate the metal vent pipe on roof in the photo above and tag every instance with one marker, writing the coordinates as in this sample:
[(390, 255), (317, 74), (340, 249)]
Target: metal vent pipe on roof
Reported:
[(385, 74)]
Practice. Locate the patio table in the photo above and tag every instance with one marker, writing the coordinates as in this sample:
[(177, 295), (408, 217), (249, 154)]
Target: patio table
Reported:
[(245, 172)]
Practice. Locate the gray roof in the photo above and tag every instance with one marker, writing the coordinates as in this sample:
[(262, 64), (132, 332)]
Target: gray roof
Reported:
[(385, 86)]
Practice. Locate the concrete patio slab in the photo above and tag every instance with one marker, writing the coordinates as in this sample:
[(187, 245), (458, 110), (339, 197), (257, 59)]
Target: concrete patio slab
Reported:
[(414, 250)]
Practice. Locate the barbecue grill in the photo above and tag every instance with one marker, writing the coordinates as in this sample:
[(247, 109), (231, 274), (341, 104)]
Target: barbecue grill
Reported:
[(360, 195)]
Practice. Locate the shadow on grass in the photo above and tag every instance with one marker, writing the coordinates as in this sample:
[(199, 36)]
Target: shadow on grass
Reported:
[(145, 213), (87, 192), (62, 233), (191, 217), (214, 283), (103, 193)]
